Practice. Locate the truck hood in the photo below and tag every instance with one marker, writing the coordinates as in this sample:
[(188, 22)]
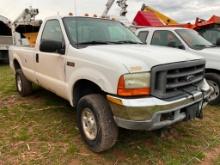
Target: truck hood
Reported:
[(211, 52), (139, 56), (212, 56)]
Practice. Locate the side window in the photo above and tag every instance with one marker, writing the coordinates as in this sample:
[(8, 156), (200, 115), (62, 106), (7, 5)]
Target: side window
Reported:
[(166, 38), (143, 36), (52, 31)]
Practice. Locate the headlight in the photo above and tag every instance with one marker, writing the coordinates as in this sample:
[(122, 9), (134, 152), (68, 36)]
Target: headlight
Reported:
[(137, 80), (134, 84)]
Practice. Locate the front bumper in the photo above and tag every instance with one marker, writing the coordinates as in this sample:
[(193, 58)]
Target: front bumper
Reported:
[(151, 113)]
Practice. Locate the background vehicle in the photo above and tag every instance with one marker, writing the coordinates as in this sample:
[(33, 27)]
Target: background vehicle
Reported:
[(112, 79), (25, 28), (5, 38), (191, 41), (209, 29)]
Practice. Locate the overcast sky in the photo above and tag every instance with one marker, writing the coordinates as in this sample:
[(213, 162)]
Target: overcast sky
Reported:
[(180, 10)]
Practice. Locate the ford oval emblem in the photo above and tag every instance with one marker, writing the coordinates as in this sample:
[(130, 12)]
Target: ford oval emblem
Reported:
[(190, 78)]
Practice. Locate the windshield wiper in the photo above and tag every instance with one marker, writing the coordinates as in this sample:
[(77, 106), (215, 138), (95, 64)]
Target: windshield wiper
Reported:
[(199, 46), (108, 42), (94, 43), (126, 42), (211, 46)]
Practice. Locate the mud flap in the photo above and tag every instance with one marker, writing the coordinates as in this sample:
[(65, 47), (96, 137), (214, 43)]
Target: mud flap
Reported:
[(194, 111)]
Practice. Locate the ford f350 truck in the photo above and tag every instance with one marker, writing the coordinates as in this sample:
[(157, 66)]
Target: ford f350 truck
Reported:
[(112, 79), (188, 40)]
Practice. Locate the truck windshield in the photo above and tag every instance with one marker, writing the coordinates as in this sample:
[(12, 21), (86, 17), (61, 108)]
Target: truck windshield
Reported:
[(193, 39), (92, 31), (212, 34)]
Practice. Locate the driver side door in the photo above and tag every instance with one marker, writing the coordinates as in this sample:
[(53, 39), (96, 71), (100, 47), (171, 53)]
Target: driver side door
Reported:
[(50, 66)]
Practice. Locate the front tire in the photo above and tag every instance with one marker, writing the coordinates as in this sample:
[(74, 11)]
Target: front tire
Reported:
[(213, 80), (96, 123), (24, 86)]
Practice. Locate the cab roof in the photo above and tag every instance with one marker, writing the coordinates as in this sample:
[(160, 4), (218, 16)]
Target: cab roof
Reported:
[(160, 28), (69, 16)]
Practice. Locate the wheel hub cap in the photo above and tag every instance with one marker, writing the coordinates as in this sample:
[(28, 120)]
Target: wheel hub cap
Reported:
[(215, 90), (89, 124), (19, 83)]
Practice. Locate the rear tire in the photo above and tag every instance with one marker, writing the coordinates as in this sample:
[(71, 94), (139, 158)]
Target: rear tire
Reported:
[(24, 86), (213, 80), (96, 123)]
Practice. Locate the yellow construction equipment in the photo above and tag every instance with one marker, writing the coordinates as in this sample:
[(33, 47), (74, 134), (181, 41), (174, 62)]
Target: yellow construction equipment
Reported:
[(163, 18), (31, 37)]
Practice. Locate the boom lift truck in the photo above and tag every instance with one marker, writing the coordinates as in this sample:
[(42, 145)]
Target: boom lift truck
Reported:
[(123, 5), (25, 28)]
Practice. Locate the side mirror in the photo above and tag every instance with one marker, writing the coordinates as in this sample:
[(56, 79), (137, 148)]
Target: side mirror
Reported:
[(172, 45), (218, 42), (181, 47), (52, 47)]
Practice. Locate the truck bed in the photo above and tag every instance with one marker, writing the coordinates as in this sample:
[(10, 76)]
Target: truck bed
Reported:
[(6, 40)]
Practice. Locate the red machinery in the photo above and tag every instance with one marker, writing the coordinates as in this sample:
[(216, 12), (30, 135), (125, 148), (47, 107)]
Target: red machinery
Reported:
[(147, 19), (200, 23), (209, 29)]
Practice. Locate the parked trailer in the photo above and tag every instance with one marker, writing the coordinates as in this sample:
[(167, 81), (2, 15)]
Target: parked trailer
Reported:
[(5, 38)]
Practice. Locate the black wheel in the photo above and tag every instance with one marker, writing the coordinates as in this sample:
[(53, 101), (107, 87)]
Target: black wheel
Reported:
[(213, 80), (96, 123), (24, 86)]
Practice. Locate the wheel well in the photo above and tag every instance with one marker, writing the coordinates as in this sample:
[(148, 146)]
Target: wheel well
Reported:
[(85, 87), (16, 65), (212, 71)]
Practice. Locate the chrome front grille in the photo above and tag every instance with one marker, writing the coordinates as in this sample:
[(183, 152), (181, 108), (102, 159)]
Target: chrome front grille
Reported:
[(177, 78)]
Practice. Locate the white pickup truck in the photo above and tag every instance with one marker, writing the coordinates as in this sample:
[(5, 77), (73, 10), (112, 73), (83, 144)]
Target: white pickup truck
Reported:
[(112, 79), (188, 40)]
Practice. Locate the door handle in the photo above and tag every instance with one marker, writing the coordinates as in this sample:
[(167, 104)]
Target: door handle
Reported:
[(37, 58)]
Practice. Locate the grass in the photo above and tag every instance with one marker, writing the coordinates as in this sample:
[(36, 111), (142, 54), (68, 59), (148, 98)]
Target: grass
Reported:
[(41, 129), (217, 162)]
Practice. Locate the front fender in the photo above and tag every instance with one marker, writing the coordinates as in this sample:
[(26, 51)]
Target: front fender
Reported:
[(15, 57), (108, 83)]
